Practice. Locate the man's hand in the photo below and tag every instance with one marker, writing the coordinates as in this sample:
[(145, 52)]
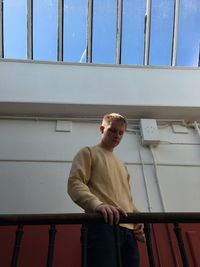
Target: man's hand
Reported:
[(139, 233), (111, 214)]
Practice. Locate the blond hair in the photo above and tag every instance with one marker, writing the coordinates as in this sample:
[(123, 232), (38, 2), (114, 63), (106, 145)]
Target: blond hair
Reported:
[(109, 118)]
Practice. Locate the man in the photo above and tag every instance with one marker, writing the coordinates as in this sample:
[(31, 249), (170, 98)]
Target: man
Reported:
[(99, 182)]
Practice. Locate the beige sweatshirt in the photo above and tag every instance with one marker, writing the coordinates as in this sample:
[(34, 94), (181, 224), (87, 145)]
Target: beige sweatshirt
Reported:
[(97, 177)]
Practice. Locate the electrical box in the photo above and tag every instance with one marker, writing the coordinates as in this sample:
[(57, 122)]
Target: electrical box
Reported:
[(179, 129), (63, 126), (149, 132)]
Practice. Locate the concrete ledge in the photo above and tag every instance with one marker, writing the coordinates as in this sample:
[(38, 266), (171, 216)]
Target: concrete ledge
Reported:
[(96, 111), (29, 88)]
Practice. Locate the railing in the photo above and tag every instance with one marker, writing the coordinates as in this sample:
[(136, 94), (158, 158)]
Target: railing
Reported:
[(74, 218)]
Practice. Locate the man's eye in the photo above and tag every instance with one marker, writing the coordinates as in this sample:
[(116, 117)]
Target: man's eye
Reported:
[(116, 131), (112, 130)]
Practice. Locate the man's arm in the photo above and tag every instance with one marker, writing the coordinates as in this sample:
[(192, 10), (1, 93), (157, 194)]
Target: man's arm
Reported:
[(78, 179)]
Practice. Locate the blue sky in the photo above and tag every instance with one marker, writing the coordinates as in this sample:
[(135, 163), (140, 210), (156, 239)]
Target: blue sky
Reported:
[(104, 31)]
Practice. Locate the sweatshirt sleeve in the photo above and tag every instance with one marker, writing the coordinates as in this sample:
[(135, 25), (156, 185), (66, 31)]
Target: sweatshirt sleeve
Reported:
[(78, 179)]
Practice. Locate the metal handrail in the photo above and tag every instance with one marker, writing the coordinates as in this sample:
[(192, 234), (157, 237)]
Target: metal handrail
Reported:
[(79, 218), (82, 218)]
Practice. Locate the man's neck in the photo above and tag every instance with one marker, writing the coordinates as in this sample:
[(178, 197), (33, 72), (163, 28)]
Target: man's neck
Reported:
[(106, 147)]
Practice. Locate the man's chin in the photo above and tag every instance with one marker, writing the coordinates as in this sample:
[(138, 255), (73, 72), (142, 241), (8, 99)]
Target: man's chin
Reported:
[(116, 143)]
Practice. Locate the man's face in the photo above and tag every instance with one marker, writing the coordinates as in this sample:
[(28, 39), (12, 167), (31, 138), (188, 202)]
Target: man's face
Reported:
[(112, 134)]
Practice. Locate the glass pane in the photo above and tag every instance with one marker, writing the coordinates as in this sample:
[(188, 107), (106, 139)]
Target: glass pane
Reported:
[(45, 27), (133, 31), (104, 31), (161, 32), (189, 33), (15, 31), (75, 30)]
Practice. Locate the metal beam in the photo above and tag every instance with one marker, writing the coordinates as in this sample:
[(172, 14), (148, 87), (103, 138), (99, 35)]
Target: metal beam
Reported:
[(175, 32), (147, 30), (60, 30), (1, 30), (89, 32), (29, 29), (119, 31)]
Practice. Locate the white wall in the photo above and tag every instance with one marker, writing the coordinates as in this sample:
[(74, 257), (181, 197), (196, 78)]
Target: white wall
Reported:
[(35, 161), (35, 158)]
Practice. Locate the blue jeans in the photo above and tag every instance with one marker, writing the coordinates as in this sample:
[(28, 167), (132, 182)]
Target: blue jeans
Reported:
[(109, 246)]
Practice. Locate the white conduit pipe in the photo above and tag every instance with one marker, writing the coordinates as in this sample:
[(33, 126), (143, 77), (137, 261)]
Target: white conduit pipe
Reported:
[(157, 179), (143, 175), (196, 126)]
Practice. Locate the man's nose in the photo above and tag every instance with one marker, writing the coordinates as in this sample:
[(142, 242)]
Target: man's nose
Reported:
[(118, 134)]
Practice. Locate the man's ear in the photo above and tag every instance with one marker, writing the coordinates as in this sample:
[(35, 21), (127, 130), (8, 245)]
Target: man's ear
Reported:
[(102, 128)]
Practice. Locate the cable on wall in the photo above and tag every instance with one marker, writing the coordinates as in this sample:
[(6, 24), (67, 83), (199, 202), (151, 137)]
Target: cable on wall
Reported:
[(196, 127), (143, 174), (157, 179)]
